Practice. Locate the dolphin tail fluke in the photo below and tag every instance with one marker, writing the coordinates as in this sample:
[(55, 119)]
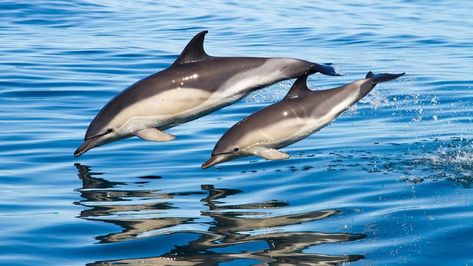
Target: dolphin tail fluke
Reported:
[(382, 77), (325, 69)]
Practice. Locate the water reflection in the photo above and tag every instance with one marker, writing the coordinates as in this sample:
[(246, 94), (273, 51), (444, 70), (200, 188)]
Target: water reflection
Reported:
[(232, 232)]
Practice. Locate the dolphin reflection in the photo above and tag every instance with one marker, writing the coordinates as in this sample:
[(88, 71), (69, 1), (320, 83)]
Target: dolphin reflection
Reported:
[(229, 226)]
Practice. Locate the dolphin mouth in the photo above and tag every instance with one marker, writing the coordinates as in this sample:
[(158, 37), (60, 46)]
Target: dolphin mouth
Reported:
[(90, 142), (215, 159), (85, 146)]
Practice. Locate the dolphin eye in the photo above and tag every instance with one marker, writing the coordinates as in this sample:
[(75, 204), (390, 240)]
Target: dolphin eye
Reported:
[(236, 149), (110, 130)]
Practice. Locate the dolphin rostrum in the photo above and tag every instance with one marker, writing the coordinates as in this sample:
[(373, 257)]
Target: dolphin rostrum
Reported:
[(301, 113), (194, 85)]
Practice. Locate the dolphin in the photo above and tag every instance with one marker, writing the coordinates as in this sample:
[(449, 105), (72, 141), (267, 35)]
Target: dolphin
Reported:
[(196, 84), (299, 114)]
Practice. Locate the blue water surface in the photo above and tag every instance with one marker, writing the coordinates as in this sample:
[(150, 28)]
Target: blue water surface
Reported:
[(389, 182)]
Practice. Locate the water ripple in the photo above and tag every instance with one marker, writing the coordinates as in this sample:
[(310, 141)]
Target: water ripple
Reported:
[(386, 183)]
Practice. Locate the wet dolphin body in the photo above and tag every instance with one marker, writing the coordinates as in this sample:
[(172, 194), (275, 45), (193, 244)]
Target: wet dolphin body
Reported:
[(301, 113), (195, 85)]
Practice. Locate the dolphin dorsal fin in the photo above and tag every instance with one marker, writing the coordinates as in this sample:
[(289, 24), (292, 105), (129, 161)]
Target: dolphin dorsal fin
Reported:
[(194, 50), (298, 89)]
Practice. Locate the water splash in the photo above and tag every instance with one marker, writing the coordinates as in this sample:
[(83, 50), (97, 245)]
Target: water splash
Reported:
[(271, 94), (434, 161)]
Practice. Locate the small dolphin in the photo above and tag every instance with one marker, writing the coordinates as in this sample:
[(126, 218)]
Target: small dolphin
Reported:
[(194, 85), (301, 113)]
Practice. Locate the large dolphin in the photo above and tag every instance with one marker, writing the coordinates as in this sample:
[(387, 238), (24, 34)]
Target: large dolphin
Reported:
[(194, 85), (301, 113)]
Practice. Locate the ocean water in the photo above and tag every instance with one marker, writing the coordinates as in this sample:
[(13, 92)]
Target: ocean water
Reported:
[(389, 182)]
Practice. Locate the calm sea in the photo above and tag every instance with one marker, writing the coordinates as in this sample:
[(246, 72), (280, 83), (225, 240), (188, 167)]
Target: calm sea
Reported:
[(389, 182)]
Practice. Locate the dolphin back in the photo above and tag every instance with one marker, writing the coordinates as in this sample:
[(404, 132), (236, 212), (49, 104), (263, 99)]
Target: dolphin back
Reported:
[(382, 77)]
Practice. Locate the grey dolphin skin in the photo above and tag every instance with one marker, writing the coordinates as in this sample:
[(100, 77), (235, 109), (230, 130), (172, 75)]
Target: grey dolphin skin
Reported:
[(301, 113), (196, 84)]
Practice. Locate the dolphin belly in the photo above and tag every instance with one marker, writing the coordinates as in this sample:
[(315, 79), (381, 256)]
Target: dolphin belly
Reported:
[(169, 109), (208, 106), (312, 124), (159, 110), (307, 128), (289, 131), (276, 135)]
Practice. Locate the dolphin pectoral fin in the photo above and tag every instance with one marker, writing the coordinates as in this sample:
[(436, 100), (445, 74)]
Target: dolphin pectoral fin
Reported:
[(154, 134), (269, 154)]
